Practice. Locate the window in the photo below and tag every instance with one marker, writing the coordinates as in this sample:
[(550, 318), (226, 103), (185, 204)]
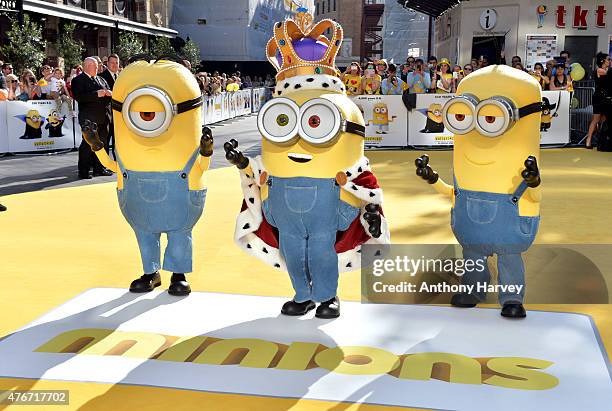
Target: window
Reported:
[(323, 7), (317, 9), (334, 5), (328, 6)]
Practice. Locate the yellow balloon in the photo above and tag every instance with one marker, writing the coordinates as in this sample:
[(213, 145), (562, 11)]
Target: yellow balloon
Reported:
[(577, 71)]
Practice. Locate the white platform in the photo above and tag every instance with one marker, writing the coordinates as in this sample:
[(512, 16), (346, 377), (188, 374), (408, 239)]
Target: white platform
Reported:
[(569, 341)]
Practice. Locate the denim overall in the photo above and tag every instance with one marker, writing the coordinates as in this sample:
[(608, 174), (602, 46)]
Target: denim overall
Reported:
[(308, 213), (487, 224), (156, 202)]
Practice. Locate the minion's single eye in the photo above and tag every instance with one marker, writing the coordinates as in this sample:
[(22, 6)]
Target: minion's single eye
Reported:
[(314, 121), (437, 112), (278, 120), (147, 120), (320, 121), (282, 120), (491, 124), (457, 116)]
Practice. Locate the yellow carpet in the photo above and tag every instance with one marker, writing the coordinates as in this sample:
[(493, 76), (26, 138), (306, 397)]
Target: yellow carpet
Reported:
[(56, 244)]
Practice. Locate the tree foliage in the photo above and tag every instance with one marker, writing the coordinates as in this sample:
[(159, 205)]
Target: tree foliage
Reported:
[(69, 48), (191, 53), (160, 46), (25, 48), (129, 45)]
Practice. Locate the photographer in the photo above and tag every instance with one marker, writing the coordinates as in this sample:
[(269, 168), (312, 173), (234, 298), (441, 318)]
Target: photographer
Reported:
[(419, 80), (538, 74), (392, 84), (352, 79), (30, 90), (457, 77), (370, 83)]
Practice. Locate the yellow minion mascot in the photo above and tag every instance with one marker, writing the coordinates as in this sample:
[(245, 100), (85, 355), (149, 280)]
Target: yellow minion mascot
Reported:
[(162, 154), (380, 118), (311, 199), (496, 195)]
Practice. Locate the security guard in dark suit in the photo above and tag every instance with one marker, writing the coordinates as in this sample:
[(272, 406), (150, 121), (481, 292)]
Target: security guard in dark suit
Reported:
[(94, 96)]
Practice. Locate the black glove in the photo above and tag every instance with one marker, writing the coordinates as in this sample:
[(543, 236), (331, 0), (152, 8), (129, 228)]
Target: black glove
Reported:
[(372, 216), (206, 142), (531, 173), (424, 170), (89, 130), (235, 156)]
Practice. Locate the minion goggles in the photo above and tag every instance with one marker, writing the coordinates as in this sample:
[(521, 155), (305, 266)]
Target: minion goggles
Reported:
[(317, 121), (489, 126), (155, 123)]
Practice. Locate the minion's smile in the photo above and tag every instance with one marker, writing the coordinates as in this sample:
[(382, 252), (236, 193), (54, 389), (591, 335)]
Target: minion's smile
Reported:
[(299, 158)]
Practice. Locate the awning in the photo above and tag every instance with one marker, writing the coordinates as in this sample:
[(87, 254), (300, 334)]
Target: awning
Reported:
[(85, 16), (433, 8)]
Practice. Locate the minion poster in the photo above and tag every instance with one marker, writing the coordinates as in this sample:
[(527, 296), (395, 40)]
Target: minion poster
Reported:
[(426, 127), (386, 120), (40, 125)]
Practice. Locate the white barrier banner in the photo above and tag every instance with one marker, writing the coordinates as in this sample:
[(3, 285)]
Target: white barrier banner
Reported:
[(425, 127), (386, 120), (555, 125), (38, 125), (4, 146), (255, 99)]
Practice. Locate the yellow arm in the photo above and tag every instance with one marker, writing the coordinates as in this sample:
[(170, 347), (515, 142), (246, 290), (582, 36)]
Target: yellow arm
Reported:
[(106, 161), (204, 163), (441, 187)]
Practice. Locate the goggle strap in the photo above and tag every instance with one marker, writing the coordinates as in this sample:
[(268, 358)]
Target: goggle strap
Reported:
[(530, 109), (116, 105), (180, 108), (355, 128), (189, 105)]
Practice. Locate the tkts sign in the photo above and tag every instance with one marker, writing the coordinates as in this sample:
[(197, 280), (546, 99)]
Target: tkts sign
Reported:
[(10, 5), (581, 16)]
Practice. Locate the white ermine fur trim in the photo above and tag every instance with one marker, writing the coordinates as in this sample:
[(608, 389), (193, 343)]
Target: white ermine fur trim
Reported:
[(308, 82), (249, 220)]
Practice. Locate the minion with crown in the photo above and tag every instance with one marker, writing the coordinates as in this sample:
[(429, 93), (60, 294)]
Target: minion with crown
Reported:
[(496, 194), (310, 200), (162, 155)]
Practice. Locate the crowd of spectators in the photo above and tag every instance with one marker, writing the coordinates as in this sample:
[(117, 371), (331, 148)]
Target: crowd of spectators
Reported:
[(439, 76), (215, 83)]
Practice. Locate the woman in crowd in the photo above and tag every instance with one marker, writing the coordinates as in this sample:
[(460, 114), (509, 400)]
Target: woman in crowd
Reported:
[(444, 77), (538, 74), (474, 64), (561, 81), (352, 79), (457, 77), (370, 83), (600, 94), (550, 65), (30, 90), (12, 85), (519, 66), (468, 69)]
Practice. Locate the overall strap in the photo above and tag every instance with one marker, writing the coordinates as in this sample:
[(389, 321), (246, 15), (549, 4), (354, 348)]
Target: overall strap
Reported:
[(191, 161), (454, 182), (520, 190), (121, 166)]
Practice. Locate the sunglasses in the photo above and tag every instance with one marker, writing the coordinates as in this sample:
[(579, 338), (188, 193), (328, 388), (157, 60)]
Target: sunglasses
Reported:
[(467, 68)]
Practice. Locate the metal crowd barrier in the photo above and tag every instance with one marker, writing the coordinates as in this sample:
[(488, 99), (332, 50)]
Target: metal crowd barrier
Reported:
[(581, 110)]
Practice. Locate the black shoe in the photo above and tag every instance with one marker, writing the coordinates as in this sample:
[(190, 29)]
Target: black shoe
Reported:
[(84, 176), (146, 283), (464, 301), (178, 285), (294, 309), (3, 207), (513, 310), (329, 309), (104, 173)]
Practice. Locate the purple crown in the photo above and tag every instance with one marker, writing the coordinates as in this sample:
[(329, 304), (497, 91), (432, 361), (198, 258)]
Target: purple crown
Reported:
[(308, 49)]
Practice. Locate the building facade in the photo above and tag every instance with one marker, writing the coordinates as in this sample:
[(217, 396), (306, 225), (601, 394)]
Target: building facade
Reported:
[(98, 22), (536, 31), (349, 14)]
